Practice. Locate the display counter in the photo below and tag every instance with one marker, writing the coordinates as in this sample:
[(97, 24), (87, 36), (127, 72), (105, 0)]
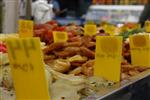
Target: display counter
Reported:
[(122, 91), (114, 13), (77, 67)]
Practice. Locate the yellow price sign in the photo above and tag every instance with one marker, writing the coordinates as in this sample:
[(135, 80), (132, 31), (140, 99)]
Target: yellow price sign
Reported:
[(147, 26), (110, 29), (108, 57), (90, 29), (25, 28), (140, 50), (27, 69), (103, 23), (60, 36), (90, 22), (137, 26), (124, 28)]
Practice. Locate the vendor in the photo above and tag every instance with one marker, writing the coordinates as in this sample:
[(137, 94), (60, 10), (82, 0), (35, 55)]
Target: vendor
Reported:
[(42, 11), (145, 15)]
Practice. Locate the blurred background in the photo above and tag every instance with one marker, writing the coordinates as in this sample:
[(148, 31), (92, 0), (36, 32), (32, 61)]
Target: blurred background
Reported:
[(69, 11)]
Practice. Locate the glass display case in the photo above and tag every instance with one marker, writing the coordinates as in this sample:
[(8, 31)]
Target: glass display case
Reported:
[(114, 13)]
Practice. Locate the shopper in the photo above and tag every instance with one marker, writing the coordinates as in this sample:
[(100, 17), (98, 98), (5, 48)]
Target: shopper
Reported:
[(42, 11), (145, 15)]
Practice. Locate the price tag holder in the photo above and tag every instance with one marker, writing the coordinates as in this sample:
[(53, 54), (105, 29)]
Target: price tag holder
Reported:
[(147, 26), (108, 57), (137, 26), (124, 28), (60, 36), (140, 50), (103, 23), (110, 29), (90, 29), (27, 69), (25, 28)]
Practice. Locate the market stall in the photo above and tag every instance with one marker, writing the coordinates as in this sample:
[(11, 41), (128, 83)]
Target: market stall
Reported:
[(73, 61)]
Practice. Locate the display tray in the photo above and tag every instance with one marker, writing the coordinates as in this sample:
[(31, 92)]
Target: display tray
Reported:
[(103, 93), (121, 88)]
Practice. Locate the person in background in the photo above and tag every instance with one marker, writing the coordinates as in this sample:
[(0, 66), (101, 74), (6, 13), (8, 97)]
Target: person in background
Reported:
[(145, 15), (60, 7), (56, 6), (83, 7), (22, 9), (42, 11), (65, 8)]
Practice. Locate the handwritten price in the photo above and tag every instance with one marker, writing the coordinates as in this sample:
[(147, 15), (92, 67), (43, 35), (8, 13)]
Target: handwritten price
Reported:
[(24, 67), (25, 46), (25, 28), (140, 49), (112, 56)]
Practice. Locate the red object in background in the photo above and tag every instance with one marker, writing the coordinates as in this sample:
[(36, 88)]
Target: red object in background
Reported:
[(39, 32), (45, 35), (62, 28), (3, 48), (45, 31), (48, 37), (70, 34), (98, 1), (130, 25), (42, 26), (52, 22)]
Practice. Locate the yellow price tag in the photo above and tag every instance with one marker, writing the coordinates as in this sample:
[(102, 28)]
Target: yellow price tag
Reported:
[(124, 28), (110, 29), (137, 26), (25, 28), (27, 69), (108, 57), (147, 26), (90, 29), (60, 36), (90, 22), (103, 23), (140, 50)]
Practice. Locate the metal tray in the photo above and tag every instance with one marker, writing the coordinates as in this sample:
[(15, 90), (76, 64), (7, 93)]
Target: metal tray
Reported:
[(111, 93)]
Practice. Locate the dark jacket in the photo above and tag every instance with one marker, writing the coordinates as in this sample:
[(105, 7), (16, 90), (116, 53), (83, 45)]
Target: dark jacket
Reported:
[(145, 15)]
